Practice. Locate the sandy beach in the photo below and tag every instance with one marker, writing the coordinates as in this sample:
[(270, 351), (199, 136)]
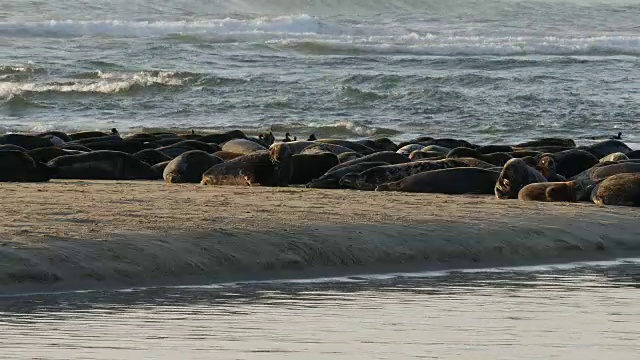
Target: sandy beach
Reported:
[(67, 235)]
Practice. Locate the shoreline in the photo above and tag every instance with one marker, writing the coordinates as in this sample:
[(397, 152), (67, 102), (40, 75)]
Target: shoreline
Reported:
[(84, 235)]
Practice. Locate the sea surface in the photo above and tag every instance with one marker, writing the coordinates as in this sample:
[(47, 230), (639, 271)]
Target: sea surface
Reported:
[(573, 311), (487, 70)]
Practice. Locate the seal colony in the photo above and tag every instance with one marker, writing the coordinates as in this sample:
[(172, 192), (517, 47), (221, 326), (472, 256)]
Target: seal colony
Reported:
[(550, 169)]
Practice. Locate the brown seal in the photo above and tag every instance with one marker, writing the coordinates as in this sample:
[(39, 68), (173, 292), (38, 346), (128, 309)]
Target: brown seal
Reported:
[(621, 190), (569, 191)]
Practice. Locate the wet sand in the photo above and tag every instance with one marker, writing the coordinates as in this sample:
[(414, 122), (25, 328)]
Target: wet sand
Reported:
[(102, 234)]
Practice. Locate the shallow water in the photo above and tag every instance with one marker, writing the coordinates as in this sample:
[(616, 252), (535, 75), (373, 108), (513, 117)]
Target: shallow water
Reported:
[(486, 70), (580, 311)]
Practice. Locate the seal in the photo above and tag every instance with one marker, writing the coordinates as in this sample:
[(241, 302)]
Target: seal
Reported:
[(44, 155), (544, 142), (419, 140), (614, 157), (621, 190), (319, 148), (222, 138), (101, 165), (353, 146), (331, 179), (17, 166), (570, 162), (385, 144), (600, 172), (465, 180), (307, 167), (280, 155), (436, 148), (490, 149), (86, 135), (408, 149), (177, 149), (497, 159), (242, 146), (547, 166), (158, 170), (604, 148), (568, 191), (267, 138), (297, 147), (152, 156), (189, 167), (372, 178), (252, 169), (27, 142), (128, 146), (59, 134), (348, 156), (12, 148), (226, 156), (451, 143), (515, 175), (384, 156), (425, 155)]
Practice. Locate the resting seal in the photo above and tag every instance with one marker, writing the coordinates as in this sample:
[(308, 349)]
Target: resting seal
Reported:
[(102, 165), (547, 166), (27, 142), (425, 155), (607, 147), (308, 167), (570, 162), (621, 190), (408, 149), (602, 171), (44, 155), (152, 156), (189, 167), (242, 146), (614, 157), (515, 175), (252, 169), (384, 156), (344, 157), (331, 179), (464, 180), (17, 166), (181, 147), (354, 146), (545, 142), (569, 191), (372, 178)]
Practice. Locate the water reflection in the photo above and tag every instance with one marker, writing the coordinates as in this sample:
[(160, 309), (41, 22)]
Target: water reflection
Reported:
[(584, 312)]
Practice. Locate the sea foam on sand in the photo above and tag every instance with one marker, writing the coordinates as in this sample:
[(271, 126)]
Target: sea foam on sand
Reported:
[(67, 235)]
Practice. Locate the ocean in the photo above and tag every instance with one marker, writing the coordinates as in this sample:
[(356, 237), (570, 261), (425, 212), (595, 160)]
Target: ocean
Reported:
[(492, 71), (572, 311)]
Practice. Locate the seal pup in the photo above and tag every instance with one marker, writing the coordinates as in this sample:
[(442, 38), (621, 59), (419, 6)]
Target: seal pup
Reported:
[(242, 146), (189, 167), (547, 166), (568, 191), (464, 180), (515, 175), (252, 169), (620, 189), (331, 179), (17, 166), (372, 178), (101, 165), (614, 157)]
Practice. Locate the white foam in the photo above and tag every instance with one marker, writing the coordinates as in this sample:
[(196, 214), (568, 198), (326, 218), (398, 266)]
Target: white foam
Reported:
[(108, 83), (72, 28)]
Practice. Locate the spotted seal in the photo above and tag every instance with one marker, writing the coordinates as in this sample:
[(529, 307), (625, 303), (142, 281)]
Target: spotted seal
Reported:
[(515, 175), (464, 180), (621, 189), (372, 178), (252, 169), (568, 191), (189, 167), (331, 179)]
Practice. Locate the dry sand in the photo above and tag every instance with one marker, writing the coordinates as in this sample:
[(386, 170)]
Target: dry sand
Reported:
[(96, 234)]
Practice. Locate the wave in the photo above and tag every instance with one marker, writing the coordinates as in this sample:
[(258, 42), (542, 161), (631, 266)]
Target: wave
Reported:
[(73, 28), (99, 83), (340, 129), (17, 102)]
